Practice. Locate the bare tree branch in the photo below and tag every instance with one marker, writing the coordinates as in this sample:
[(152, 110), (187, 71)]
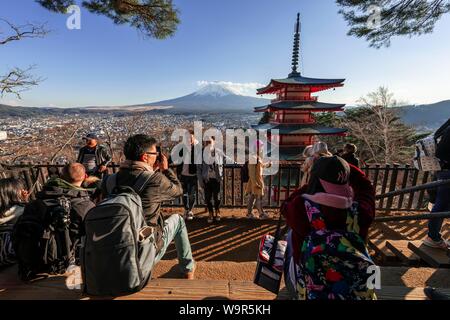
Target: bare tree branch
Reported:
[(19, 32), (18, 80), (20, 149), (64, 145)]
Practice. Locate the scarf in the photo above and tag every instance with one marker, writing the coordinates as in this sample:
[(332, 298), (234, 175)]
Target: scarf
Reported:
[(330, 200), (136, 165)]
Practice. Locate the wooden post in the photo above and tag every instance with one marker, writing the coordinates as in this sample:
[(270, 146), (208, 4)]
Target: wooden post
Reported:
[(392, 187), (242, 189), (270, 191), (422, 192), (413, 184), (384, 185), (288, 191), (404, 183), (376, 174), (280, 175)]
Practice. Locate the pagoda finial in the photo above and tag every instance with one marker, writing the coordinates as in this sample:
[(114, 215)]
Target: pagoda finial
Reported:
[(296, 50)]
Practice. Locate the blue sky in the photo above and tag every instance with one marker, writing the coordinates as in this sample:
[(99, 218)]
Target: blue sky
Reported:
[(244, 42)]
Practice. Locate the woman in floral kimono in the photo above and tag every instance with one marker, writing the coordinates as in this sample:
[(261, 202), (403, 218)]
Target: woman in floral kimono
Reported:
[(329, 220)]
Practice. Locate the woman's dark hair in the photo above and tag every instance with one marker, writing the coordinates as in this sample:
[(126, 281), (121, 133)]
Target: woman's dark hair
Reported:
[(10, 189), (137, 145)]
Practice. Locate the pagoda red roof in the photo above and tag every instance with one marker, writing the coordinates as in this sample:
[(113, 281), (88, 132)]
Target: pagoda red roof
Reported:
[(302, 106), (301, 129), (314, 84)]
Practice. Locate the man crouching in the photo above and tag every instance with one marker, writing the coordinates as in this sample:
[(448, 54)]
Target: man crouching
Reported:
[(142, 155)]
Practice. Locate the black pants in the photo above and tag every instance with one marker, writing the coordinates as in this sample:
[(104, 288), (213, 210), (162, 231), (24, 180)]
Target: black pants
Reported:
[(189, 189), (212, 191)]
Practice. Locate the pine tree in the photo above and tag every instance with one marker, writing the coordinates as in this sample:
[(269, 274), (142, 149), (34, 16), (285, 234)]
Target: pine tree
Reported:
[(153, 18), (379, 20)]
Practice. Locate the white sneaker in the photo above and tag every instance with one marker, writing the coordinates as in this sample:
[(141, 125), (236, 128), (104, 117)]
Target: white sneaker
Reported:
[(443, 244), (264, 215), (250, 216), (189, 216)]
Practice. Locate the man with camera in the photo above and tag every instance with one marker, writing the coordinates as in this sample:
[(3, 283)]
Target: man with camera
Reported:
[(142, 156)]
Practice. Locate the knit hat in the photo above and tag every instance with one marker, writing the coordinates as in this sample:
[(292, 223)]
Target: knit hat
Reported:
[(91, 135)]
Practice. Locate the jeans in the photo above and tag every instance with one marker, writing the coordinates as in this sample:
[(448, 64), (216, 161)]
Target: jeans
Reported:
[(254, 200), (212, 191), (441, 204), (189, 187), (175, 229)]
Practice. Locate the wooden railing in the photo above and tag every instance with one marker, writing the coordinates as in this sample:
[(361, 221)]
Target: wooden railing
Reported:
[(386, 178)]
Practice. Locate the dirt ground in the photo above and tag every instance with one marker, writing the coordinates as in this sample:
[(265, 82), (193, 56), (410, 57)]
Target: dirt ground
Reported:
[(227, 250)]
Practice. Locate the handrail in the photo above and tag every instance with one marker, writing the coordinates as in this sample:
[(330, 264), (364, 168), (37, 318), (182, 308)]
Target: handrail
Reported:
[(423, 216), (426, 186)]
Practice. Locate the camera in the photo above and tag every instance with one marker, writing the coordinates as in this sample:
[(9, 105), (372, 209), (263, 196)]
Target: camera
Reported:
[(159, 150)]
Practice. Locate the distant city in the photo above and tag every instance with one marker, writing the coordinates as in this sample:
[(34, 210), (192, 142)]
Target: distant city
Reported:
[(39, 139)]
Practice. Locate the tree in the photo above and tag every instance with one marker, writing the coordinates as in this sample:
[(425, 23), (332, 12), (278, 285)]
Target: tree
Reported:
[(153, 18), (379, 20), (266, 117), (376, 128), (18, 79)]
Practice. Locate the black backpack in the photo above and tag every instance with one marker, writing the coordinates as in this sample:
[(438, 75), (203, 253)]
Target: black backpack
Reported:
[(41, 237), (244, 172)]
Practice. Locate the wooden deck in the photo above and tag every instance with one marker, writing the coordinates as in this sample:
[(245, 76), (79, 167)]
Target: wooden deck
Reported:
[(56, 288), (403, 252), (434, 257)]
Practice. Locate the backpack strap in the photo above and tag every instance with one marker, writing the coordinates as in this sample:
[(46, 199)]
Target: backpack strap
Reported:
[(110, 183), (142, 181)]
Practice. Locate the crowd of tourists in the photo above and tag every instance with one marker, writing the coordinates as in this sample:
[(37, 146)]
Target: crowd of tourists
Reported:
[(330, 213)]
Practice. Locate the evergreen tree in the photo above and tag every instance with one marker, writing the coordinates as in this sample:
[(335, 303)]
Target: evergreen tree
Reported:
[(154, 18), (379, 20)]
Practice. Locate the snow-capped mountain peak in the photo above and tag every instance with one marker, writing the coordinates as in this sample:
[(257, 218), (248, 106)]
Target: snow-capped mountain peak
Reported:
[(216, 90)]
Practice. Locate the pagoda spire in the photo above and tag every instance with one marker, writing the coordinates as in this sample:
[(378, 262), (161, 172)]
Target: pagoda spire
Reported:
[(296, 50)]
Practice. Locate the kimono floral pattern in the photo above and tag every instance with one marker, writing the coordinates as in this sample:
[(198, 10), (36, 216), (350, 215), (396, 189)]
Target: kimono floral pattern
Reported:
[(334, 263)]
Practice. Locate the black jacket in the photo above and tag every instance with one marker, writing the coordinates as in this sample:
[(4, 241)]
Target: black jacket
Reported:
[(350, 158), (102, 155), (443, 149)]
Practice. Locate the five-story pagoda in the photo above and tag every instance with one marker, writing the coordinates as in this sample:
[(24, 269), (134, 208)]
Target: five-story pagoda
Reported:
[(291, 112)]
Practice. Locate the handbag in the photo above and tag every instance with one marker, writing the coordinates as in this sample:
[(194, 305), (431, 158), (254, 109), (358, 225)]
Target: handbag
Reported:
[(270, 262)]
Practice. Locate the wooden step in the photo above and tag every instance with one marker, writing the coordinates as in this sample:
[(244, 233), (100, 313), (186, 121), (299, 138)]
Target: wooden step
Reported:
[(401, 250), (56, 288), (380, 248), (180, 289), (404, 293), (437, 258)]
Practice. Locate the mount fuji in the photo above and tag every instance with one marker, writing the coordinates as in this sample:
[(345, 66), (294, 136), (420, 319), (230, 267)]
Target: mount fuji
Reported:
[(213, 97)]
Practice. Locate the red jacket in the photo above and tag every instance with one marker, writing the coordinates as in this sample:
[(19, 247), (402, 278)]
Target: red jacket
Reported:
[(296, 218)]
